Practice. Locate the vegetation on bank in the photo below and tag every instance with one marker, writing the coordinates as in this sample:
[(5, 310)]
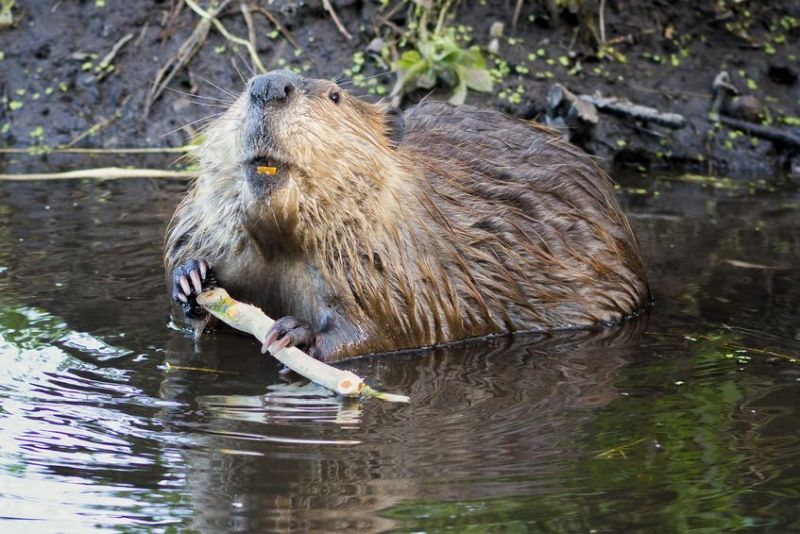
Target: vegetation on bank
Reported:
[(413, 47)]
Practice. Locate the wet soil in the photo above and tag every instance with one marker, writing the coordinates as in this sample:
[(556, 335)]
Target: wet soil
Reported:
[(666, 55)]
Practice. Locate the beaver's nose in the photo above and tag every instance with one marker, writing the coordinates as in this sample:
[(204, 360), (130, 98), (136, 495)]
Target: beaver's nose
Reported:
[(272, 87)]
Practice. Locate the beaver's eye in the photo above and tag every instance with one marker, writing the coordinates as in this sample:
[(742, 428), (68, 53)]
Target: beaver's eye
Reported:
[(334, 96)]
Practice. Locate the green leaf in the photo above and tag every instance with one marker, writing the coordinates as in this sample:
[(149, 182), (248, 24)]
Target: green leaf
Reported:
[(477, 79), (408, 75), (408, 59), (460, 94)]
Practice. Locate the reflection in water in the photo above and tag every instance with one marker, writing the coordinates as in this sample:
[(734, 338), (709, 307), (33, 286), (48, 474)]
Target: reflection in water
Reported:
[(478, 413), (693, 417)]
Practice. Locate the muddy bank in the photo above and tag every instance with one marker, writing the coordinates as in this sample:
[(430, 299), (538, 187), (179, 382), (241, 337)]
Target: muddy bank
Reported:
[(56, 88)]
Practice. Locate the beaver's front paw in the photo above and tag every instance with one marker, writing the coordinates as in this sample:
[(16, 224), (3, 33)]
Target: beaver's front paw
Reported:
[(290, 332), (189, 279)]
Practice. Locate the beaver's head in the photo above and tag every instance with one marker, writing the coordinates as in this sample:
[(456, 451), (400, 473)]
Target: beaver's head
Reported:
[(294, 143)]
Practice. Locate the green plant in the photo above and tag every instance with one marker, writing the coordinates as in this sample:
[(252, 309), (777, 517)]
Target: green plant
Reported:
[(6, 16), (439, 57)]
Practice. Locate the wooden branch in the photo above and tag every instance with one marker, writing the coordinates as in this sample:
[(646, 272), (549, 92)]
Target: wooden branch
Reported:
[(108, 151), (108, 58), (624, 107), (277, 23), (250, 319), (775, 135), (106, 173), (329, 8)]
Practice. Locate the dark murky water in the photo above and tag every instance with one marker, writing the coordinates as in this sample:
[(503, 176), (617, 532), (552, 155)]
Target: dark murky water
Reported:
[(687, 419)]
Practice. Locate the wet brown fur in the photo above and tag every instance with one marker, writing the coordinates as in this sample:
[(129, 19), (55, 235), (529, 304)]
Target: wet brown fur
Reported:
[(476, 223)]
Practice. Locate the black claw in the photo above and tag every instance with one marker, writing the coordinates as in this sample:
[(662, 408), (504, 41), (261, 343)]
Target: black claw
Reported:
[(292, 332), (185, 279)]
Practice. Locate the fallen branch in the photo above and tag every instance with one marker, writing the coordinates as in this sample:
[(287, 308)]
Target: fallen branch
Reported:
[(624, 107), (107, 151), (250, 319), (775, 135), (105, 173)]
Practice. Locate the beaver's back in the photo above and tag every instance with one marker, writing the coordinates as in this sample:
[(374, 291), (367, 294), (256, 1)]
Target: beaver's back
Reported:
[(540, 207)]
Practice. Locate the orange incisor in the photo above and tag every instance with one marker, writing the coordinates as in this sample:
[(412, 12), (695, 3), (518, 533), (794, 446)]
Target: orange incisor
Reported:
[(262, 169)]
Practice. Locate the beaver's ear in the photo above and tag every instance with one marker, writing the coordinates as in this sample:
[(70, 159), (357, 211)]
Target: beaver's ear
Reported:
[(395, 125)]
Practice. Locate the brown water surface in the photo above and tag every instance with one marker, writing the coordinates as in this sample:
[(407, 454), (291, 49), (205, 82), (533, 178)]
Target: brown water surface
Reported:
[(686, 419)]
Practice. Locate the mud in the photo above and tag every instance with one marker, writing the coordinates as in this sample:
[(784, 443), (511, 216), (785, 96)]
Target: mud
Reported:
[(666, 55)]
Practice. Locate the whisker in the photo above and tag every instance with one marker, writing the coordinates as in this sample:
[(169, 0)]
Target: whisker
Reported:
[(248, 64), (207, 117), (238, 71), (218, 88), (191, 95)]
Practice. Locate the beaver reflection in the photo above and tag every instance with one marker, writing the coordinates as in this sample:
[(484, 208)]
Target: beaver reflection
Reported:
[(369, 231), (509, 407)]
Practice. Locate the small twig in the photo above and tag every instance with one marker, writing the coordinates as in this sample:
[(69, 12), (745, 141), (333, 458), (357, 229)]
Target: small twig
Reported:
[(391, 12), (93, 130), (251, 30), (329, 8), (392, 26), (277, 23), (517, 13), (142, 33), (170, 367), (106, 173), (226, 34), (602, 17), (276, 54), (108, 58)]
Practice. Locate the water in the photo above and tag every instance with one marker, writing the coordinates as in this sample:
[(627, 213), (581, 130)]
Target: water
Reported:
[(684, 420)]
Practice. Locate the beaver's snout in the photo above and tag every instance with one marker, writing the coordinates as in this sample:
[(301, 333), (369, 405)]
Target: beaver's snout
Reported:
[(267, 96), (275, 87)]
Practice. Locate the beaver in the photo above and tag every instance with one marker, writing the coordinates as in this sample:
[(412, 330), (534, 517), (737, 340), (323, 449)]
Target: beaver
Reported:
[(369, 230)]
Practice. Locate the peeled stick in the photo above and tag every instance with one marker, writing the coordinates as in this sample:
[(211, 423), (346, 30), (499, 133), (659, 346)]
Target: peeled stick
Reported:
[(250, 319)]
